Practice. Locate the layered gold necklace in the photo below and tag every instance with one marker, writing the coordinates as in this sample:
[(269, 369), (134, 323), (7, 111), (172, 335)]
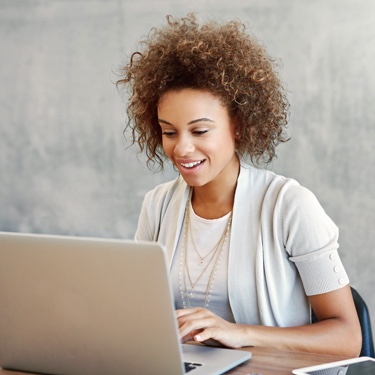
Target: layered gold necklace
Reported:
[(215, 255)]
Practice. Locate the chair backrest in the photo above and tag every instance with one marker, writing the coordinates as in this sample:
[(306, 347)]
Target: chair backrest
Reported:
[(365, 322)]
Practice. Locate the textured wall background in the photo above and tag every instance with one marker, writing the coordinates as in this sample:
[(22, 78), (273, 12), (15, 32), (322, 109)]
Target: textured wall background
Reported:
[(64, 166)]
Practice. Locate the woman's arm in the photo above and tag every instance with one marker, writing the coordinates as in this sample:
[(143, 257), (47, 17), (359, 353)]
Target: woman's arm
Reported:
[(337, 332)]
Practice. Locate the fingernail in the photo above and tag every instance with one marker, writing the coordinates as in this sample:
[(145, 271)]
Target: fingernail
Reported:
[(197, 338)]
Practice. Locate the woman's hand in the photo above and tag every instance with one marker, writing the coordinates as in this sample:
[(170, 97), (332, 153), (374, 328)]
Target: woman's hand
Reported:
[(338, 331), (202, 325)]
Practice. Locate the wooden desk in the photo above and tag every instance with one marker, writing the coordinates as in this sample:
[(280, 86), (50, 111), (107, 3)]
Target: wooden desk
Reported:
[(265, 361)]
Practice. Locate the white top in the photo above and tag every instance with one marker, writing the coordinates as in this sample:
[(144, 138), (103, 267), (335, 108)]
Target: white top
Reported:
[(210, 277), (283, 246)]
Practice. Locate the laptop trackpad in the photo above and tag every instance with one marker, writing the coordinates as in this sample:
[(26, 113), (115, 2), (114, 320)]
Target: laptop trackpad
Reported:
[(212, 360)]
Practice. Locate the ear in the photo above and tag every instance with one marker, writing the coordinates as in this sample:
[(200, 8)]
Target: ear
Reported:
[(236, 129)]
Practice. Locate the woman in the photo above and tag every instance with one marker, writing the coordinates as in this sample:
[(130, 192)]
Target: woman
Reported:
[(250, 252)]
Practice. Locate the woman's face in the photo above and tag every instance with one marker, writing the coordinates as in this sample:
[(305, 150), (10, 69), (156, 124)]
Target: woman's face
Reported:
[(198, 136)]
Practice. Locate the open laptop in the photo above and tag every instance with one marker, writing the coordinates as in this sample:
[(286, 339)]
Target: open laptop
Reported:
[(72, 305)]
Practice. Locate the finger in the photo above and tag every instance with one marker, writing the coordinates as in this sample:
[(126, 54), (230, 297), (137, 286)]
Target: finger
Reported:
[(193, 315), (224, 336), (204, 335), (190, 336), (191, 325), (184, 312)]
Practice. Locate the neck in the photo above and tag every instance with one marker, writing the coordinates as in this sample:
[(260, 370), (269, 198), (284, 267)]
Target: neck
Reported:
[(215, 199)]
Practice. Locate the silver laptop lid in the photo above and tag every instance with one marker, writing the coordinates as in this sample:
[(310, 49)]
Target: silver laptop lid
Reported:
[(86, 306)]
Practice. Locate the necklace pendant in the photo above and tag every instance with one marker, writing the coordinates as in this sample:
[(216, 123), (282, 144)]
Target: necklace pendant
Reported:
[(191, 294), (201, 263)]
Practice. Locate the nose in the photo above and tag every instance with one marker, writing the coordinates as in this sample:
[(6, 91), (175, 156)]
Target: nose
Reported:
[(184, 146)]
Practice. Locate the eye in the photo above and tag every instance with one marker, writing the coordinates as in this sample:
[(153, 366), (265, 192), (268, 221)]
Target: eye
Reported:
[(200, 132), (169, 133)]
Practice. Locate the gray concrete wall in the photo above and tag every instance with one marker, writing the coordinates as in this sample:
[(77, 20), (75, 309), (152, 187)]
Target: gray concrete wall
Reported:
[(64, 166)]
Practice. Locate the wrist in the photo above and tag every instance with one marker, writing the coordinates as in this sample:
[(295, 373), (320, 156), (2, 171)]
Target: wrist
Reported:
[(246, 335)]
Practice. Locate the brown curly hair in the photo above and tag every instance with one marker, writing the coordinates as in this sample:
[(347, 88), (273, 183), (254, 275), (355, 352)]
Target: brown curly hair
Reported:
[(220, 58)]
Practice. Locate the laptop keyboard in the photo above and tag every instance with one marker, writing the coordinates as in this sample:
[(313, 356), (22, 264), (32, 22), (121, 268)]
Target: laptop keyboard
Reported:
[(189, 366)]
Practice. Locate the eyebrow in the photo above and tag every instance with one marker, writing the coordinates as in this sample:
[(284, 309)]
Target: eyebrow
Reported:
[(203, 119)]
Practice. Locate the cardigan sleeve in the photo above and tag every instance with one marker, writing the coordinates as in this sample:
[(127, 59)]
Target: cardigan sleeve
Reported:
[(311, 239)]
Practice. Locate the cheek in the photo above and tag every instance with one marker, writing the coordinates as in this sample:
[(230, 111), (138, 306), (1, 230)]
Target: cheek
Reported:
[(227, 142), (167, 146)]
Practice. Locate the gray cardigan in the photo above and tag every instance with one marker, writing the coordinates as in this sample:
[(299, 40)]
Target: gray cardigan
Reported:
[(283, 247)]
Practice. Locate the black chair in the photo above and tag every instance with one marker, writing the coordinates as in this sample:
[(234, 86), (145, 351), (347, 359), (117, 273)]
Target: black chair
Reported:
[(364, 320)]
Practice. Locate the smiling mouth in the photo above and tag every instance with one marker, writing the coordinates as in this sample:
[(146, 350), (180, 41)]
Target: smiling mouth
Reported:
[(192, 165)]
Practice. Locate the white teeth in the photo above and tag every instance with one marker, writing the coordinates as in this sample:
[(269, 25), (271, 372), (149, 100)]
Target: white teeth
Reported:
[(190, 165)]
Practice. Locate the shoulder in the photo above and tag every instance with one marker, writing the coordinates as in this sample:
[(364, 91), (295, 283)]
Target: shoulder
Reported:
[(162, 194), (266, 183), (276, 194), (155, 206)]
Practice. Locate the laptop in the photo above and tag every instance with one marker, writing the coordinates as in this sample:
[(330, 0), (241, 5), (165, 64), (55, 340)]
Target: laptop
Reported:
[(73, 305)]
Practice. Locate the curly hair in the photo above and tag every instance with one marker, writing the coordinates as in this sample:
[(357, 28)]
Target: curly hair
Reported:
[(220, 58)]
